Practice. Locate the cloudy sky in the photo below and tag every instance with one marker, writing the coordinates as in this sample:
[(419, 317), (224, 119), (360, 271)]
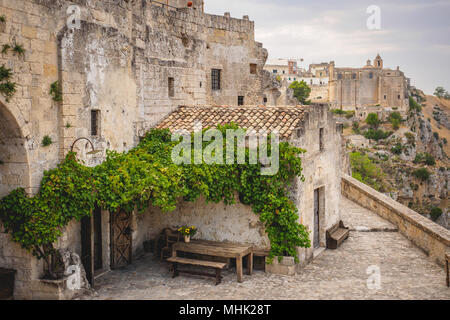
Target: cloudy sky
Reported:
[(414, 35)]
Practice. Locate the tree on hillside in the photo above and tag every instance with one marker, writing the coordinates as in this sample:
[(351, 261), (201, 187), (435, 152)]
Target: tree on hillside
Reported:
[(364, 170), (301, 91), (395, 118), (440, 92), (372, 120)]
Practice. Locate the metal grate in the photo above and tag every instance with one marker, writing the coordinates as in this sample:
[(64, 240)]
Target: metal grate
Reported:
[(215, 79)]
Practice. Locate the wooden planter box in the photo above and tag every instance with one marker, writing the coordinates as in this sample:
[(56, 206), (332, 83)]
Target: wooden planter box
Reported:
[(7, 283)]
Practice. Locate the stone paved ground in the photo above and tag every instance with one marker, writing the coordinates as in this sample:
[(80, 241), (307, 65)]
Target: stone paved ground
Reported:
[(406, 272)]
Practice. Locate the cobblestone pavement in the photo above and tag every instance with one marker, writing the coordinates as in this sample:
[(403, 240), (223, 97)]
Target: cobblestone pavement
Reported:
[(406, 272)]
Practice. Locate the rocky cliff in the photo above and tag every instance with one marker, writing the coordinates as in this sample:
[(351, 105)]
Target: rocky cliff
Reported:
[(414, 157)]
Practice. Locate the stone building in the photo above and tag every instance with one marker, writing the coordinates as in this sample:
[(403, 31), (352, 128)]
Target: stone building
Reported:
[(371, 88), (121, 65), (288, 71), (309, 127)]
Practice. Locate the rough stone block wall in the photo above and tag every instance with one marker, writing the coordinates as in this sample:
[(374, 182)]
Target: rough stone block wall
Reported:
[(216, 222), (321, 169)]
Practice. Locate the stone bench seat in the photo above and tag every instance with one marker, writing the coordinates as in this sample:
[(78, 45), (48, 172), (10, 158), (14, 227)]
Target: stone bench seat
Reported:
[(217, 266)]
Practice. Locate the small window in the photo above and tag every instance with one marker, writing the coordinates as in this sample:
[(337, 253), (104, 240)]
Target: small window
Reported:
[(385, 97), (371, 75), (171, 87), (398, 97), (284, 72), (95, 122), (321, 146), (265, 100), (339, 75), (253, 68), (240, 100), (215, 79), (353, 75), (276, 71)]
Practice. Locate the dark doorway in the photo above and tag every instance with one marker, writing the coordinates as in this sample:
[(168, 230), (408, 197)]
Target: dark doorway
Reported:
[(319, 216), (316, 219), (98, 253), (91, 244), (87, 247), (121, 239)]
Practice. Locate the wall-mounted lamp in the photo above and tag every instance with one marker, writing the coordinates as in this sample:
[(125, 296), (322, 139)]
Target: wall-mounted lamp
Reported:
[(90, 142)]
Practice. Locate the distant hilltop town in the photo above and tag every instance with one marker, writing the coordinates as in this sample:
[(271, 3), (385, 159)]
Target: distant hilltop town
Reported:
[(363, 90)]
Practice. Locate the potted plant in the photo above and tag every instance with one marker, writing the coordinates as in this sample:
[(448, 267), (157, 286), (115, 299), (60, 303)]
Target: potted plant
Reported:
[(187, 232)]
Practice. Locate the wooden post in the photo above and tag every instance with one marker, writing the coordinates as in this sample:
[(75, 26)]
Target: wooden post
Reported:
[(175, 270), (250, 263), (218, 276), (239, 269)]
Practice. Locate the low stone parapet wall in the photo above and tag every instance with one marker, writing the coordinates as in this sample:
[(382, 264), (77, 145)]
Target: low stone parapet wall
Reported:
[(427, 235)]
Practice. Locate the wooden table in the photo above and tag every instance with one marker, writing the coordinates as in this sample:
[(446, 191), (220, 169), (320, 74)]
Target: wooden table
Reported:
[(219, 249)]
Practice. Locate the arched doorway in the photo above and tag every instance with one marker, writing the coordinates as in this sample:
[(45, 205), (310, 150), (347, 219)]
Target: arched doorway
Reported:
[(14, 168)]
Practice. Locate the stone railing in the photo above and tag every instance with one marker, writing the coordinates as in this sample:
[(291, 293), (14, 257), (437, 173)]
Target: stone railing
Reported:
[(427, 235)]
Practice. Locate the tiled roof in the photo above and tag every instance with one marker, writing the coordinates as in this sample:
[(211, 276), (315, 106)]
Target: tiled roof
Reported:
[(256, 119)]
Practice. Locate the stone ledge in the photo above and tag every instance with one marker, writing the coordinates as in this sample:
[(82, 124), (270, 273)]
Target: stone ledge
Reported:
[(286, 267), (427, 235)]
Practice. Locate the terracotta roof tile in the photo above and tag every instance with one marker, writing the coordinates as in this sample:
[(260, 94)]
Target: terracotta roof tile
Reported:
[(284, 119)]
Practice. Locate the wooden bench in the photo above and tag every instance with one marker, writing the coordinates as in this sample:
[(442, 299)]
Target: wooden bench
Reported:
[(217, 266), (336, 235)]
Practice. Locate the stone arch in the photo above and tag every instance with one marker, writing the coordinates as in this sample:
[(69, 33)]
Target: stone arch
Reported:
[(14, 165)]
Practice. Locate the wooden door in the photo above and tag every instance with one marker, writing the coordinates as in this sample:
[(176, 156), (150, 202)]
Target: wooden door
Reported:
[(316, 219), (121, 239)]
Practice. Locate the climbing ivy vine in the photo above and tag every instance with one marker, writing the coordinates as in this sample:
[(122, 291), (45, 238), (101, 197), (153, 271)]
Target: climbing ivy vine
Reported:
[(146, 175)]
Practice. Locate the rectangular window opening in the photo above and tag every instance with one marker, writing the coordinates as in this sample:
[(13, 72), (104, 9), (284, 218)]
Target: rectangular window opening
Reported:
[(95, 122), (171, 87), (215, 79), (240, 100), (253, 68), (321, 145)]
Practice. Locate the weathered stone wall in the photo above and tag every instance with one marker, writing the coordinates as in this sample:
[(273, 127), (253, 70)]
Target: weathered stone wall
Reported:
[(119, 63), (427, 235), (319, 93), (216, 222), (321, 169)]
